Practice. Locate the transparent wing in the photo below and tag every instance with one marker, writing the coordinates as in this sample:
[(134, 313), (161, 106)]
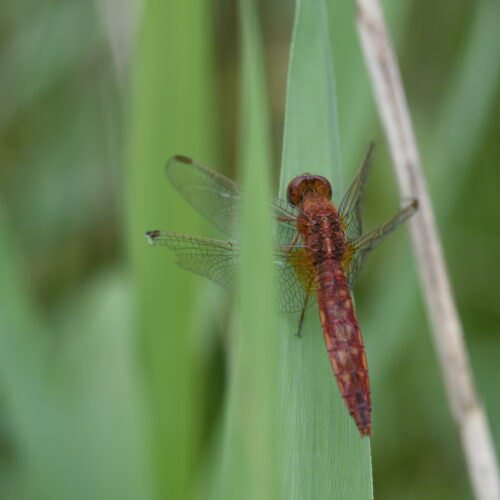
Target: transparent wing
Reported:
[(350, 206), (284, 223), (218, 260), (219, 199), (296, 280), (359, 248), (212, 194)]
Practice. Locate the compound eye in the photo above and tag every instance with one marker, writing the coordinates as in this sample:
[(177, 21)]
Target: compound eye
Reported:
[(317, 185), (296, 189), (322, 186)]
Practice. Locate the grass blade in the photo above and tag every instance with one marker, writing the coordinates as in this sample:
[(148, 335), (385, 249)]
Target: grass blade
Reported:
[(171, 113), (323, 452), (249, 467)]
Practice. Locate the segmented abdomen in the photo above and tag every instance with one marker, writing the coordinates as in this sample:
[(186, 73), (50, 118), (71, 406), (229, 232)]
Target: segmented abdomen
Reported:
[(344, 342)]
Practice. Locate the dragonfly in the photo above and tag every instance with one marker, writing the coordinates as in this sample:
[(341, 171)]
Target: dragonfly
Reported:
[(319, 250)]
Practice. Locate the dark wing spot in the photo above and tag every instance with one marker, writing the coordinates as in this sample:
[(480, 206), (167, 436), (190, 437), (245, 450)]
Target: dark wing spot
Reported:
[(184, 159)]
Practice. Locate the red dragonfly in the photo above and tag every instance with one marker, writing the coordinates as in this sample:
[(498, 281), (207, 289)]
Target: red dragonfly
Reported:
[(319, 252)]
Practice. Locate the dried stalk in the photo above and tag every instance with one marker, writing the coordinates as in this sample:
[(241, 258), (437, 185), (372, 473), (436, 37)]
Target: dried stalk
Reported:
[(467, 410)]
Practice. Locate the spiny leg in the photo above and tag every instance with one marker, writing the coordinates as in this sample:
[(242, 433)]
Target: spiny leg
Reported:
[(304, 307)]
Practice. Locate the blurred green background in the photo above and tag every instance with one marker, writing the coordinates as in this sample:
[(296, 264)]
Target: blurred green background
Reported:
[(112, 360)]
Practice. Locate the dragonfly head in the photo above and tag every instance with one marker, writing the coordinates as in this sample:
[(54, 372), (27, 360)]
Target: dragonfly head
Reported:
[(308, 185)]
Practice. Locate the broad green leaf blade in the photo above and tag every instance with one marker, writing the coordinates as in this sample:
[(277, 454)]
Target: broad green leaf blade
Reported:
[(250, 467), (171, 112), (259, 356), (311, 140), (324, 456)]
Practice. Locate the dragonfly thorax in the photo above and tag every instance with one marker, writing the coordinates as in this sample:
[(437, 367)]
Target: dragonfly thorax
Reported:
[(324, 237)]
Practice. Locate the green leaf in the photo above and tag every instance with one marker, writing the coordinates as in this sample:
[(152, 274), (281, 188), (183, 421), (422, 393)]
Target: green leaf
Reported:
[(171, 112), (249, 460), (323, 454)]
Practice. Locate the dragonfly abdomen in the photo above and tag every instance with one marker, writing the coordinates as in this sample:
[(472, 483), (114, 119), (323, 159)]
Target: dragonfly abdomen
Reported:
[(343, 342)]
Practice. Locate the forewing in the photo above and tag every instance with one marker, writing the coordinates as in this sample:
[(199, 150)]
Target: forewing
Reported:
[(350, 206), (215, 259), (215, 196), (219, 199), (359, 248)]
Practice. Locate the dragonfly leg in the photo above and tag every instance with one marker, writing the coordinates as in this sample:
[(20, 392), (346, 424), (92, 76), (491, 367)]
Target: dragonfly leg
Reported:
[(294, 240), (286, 219), (304, 307), (301, 320)]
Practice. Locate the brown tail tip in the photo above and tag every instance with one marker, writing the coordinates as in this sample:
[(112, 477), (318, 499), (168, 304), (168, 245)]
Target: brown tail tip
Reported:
[(366, 432)]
